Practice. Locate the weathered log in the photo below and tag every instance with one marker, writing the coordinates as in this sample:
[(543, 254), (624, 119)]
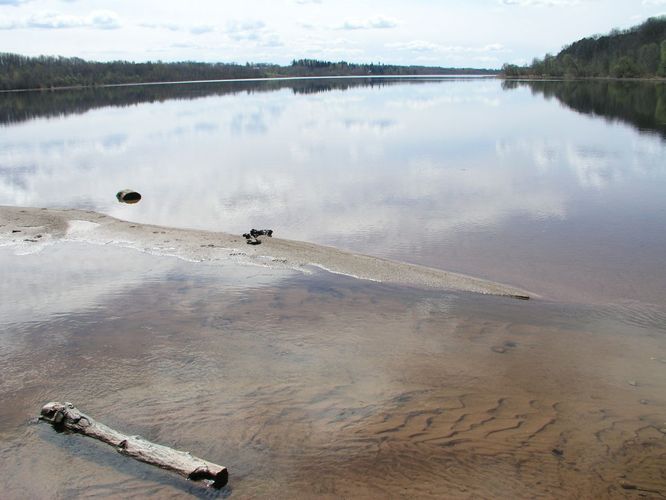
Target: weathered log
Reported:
[(65, 416)]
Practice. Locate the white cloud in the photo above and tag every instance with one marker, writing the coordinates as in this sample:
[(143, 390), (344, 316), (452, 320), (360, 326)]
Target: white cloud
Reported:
[(424, 46), (375, 23), (441, 33), (245, 30), (166, 26), (101, 19), (199, 29), (545, 3), (254, 31), (415, 46)]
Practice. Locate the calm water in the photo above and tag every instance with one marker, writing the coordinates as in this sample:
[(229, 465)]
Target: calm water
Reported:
[(554, 187), (321, 385)]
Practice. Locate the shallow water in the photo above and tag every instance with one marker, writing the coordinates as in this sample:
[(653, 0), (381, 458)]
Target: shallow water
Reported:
[(321, 385), (318, 385)]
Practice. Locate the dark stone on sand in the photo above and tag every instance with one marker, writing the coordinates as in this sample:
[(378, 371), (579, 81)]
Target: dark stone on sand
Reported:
[(128, 196), (628, 486), (557, 452), (16, 230), (261, 232), (252, 236)]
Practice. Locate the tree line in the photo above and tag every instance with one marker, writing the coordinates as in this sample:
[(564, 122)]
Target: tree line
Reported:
[(18, 72), (314, 67), (638, 52)]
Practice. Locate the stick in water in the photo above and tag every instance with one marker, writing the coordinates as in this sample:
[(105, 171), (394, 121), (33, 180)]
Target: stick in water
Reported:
[(66, 416)]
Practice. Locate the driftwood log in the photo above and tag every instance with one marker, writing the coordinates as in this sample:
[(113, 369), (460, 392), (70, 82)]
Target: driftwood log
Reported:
[(64, 416)]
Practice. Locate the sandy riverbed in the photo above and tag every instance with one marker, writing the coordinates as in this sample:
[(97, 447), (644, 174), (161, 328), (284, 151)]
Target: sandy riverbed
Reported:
[(323, 386)]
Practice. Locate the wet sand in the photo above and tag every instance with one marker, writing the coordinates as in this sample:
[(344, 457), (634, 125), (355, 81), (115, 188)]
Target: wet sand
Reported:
[(32, 228), (326, 386)]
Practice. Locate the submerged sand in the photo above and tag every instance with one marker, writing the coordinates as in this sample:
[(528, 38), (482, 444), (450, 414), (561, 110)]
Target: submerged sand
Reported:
[(329, 387), (30, 229)]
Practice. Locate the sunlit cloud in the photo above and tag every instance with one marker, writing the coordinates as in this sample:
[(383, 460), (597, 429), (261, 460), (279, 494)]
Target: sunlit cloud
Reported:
[(201, 29), (424, 46), (101, 19), (368, 24), (254, 31), (544, 3), (419, 32), (195, 30)]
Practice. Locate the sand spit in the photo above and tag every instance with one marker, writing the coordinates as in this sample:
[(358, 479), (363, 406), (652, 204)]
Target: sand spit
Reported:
[(30, 229)]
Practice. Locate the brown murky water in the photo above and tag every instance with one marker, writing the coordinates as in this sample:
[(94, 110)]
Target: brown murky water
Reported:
[(322, 386)]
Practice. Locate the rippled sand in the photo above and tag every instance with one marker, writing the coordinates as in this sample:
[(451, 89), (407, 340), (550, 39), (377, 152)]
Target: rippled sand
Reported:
[(326, 386)]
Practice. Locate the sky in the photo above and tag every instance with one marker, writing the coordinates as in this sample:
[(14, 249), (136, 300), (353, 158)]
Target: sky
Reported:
[(460, 33)]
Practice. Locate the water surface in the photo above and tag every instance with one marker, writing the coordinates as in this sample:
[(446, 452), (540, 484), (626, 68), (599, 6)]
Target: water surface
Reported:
[(321, 385), (562, 196)]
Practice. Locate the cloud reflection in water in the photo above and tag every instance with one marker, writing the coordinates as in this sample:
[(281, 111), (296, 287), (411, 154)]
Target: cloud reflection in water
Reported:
[(399, 171)]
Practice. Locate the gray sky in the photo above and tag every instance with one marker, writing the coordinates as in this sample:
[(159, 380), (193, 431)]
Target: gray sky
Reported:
[(479, 33)]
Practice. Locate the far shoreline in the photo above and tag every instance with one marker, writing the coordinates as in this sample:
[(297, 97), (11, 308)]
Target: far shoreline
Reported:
[(262, 79), (469, 76), (537, 78)]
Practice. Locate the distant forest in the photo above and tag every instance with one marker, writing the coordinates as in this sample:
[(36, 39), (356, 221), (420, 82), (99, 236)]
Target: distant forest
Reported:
[(638, 52), (19, 72)]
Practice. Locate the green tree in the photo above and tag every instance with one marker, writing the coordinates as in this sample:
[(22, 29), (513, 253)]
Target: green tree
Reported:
[(625, 67), (634, 52), (510, 70), (569, 66), (537, 67), (649, 57)]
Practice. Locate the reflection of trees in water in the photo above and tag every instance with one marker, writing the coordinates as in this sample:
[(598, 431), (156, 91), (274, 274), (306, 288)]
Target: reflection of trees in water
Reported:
[(21, 106), (641, 104)]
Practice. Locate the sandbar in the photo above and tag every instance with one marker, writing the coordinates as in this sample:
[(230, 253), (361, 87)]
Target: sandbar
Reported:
[(31, 229)]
